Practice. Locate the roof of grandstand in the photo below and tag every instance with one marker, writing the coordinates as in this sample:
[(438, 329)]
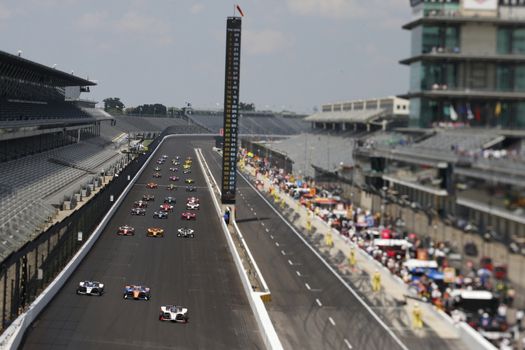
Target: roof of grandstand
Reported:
[(357, 116), (16, 67), (322, 150), (252, 123)]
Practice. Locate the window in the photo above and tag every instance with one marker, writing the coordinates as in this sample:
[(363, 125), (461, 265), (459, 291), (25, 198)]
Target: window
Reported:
[(511, 40), (440, 39)]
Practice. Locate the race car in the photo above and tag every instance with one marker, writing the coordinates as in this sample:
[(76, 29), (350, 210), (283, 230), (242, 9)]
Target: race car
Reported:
[(138, 211), (192, 200), (186, 166), (172, 187), (160, 161), (152, 185), (140, 204), (192, 206), (189, 181), (173, 313), (90, 288), (191, 188), (170, 200), (137, 292), (174, 178), (157, 168), (166, 207), (185, 232), (155, 232), (187, 171), (160, 214), (126, 231), (188, 215), (164, 156), (148, 197), (174, 169), (157, 175)]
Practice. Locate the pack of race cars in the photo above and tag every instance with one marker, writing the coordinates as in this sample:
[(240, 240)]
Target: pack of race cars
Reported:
[(163, 210)]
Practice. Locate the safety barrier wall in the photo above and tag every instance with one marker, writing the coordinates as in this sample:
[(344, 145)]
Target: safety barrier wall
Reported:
[(13, 335), (268, 333), (470, 337)]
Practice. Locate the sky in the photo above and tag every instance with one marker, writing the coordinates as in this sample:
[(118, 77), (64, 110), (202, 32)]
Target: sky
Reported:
[(295, 54)]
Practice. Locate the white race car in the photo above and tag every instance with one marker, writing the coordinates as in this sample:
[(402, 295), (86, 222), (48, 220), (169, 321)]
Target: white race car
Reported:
[(185, 232), (192, 206), (173, 313), (90, 288)]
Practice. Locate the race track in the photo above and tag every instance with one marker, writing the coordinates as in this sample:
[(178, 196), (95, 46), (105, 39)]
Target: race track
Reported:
[(198, 273)]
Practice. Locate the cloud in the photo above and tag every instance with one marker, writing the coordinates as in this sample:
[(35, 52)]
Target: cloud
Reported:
[(5, 13), (93, 20), (197, 8), (346, 9), (145, 27), (336, 9), (264, 42)]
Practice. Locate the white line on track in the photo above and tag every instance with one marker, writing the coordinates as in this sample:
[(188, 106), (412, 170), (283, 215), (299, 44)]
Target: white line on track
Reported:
[(254, 213), (348, 344), (251, 208), (271, 236), (282, 252), (331, 321), (267, 230), (354, 293), (277, 243), (262, 223), (307, 286), (290, 262), (297, 272), (318, 302)]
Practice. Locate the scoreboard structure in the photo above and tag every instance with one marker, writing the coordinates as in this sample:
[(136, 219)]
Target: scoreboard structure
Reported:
[(231, 109)]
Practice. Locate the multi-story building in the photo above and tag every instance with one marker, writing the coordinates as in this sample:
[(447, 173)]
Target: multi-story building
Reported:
[(370, 114), (467, 63)]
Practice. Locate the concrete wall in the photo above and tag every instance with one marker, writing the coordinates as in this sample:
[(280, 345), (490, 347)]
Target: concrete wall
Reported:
[(478, 39)]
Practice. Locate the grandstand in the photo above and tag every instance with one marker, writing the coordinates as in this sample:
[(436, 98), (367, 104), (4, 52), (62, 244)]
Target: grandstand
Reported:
[(50, 147), (266, 123)]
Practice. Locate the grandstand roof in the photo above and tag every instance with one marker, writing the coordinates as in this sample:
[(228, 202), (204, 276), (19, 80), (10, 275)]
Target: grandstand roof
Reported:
[(357, 116), (18, 67)]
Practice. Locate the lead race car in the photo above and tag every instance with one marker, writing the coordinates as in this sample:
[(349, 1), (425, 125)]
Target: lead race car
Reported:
[(90, 288), (173, 313), (137, 292)]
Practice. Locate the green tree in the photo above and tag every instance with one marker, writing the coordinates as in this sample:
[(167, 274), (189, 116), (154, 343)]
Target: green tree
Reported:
[(246, 106), (113, 105)]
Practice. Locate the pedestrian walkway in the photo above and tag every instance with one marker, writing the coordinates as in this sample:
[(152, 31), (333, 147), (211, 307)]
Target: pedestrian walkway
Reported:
[(386, 293)]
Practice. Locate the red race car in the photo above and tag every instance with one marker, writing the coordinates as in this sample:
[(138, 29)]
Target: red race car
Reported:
[(188, 215), (166, 207), (126, 231), (152, 185)]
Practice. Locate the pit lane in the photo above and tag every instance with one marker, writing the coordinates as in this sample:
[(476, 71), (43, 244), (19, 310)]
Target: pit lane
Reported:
[(198, 273)]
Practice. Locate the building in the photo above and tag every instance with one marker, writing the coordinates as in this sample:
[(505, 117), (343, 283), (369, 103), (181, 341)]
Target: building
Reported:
[(359, 115), (467, 63)]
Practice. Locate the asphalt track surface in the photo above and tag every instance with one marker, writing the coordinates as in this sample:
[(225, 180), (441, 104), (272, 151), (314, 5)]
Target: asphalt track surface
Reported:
[(310, 307), (198, 273)]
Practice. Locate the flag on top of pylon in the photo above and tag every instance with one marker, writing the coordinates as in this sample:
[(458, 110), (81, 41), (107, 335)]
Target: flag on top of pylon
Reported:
[(239, 9)]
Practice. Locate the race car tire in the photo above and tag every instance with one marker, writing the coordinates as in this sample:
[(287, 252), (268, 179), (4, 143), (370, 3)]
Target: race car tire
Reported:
[(192, 235), (125, 296)]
